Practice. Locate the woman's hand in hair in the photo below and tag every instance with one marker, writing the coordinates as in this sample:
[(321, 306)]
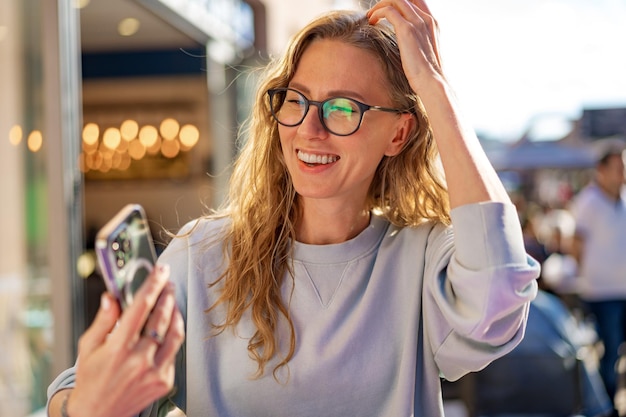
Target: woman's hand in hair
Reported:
[(417, 33)]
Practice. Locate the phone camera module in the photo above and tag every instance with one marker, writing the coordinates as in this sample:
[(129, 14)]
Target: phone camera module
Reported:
[(122, 249)]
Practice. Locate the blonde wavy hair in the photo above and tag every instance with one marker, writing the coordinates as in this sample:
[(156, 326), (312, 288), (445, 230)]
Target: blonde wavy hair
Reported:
[(263, 206)]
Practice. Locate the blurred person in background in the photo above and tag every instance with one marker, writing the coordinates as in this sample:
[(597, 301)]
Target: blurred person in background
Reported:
[(343, 277), (559, 271), (599, 247)]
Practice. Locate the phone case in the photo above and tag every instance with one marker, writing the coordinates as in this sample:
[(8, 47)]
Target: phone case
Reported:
[(125, 252)]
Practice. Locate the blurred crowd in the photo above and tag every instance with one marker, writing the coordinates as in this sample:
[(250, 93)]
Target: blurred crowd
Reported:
[(572, 361)]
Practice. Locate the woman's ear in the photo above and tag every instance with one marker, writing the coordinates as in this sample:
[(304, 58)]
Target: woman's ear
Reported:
[(404, 127)]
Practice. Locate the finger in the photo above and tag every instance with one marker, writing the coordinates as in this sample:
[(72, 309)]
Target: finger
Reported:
[(405, 18), (406, 9), (412, 26), (173, 340), (103, 324), (415, 12), (421, 4), (433, 26), (404, 5), (159, 320), (134, 318)]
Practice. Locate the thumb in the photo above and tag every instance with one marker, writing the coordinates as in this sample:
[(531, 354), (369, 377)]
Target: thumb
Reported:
[(103, 324)]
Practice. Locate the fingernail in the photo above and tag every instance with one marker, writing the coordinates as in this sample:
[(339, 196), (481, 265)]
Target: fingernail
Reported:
[(163, 270), (105, 303)]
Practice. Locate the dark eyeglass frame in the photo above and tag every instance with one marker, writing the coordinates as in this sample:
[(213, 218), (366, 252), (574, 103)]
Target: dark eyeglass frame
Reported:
[(320, 109)]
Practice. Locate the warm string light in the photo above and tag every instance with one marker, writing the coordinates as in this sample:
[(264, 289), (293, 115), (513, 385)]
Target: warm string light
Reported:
[(34, 140), (15, 135), (116, 147)]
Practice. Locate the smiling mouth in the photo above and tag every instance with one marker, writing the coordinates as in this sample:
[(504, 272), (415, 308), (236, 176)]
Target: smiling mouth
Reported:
[(312, 159)]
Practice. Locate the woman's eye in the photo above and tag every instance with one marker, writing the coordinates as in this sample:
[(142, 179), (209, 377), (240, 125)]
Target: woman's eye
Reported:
[(339, 108), (292, 97)]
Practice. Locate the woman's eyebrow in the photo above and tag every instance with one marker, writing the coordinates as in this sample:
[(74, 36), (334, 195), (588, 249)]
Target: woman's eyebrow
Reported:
[(332, 93)]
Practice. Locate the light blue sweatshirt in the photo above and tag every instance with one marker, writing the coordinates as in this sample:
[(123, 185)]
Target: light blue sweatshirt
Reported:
[(378, 319)]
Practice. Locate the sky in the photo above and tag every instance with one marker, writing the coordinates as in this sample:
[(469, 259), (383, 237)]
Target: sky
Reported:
[(521, 63)]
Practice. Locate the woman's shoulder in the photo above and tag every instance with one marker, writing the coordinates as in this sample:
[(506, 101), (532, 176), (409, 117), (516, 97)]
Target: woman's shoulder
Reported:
[(201, 228), (200, 234), (426, 231)]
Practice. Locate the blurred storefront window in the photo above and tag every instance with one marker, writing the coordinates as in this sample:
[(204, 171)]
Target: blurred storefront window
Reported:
[(37, 108)]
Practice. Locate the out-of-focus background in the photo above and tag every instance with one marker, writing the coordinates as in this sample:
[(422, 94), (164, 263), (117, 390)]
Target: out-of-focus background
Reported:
[(106, 102)]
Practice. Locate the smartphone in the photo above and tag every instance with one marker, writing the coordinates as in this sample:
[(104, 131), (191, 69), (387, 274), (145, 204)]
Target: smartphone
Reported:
[(125, 252)]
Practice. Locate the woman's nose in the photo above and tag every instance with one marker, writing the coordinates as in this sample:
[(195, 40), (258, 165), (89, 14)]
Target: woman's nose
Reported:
[(312, 124)]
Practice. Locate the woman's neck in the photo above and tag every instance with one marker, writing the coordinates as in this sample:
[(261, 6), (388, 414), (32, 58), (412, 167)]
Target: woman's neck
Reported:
[(322, 225)]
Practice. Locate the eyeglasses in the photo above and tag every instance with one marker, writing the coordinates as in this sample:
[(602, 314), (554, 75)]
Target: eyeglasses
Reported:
[(340, 116)]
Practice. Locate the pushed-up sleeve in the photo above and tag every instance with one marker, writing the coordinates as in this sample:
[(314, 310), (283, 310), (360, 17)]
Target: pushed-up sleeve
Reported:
[(64, 380), (479, 282)]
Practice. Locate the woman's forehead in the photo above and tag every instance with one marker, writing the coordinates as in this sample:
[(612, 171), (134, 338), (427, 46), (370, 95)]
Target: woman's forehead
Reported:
[(335, 66)]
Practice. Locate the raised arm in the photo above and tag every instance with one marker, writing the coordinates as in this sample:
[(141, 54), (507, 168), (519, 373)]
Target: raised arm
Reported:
[(469, 174)]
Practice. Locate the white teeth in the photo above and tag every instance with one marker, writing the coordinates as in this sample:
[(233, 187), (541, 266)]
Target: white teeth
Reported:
[(316, 159)]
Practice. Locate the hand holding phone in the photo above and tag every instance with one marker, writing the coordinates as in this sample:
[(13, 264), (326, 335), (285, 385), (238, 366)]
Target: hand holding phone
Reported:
[(125, 252)]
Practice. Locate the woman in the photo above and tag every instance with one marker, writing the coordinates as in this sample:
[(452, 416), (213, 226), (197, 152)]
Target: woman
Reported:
[(331, 282)]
